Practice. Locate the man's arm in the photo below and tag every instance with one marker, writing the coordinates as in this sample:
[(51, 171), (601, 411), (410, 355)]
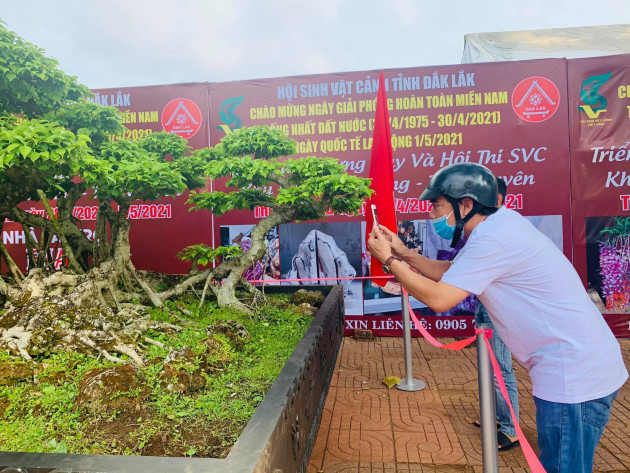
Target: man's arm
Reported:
[(438, 296), (430, 268)]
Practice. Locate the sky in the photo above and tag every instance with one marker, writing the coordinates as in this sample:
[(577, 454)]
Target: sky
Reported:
[(122, 43)]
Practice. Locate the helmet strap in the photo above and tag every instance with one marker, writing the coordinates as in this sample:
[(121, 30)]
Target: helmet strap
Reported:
[(459, 221)]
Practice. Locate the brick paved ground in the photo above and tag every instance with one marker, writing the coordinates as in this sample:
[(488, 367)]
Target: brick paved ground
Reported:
[(367, 428)]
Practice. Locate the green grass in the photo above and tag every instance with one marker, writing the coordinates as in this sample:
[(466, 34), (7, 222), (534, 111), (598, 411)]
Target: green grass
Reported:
[(42, 416)]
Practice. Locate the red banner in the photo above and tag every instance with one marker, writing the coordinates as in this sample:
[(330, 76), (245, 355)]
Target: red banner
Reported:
[(513, 117), (455, 327), (381, 209), (159, 229), (439, 116), (392, 326), (599, 97)]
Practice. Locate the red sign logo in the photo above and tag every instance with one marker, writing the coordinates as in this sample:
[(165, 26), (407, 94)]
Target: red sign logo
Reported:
[(535, 99), (182, 117)]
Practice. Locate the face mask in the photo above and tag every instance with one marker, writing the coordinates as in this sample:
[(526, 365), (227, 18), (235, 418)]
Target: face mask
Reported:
[(442, 227)]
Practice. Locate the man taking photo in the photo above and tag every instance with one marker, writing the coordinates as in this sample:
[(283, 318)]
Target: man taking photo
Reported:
[(535, 300)]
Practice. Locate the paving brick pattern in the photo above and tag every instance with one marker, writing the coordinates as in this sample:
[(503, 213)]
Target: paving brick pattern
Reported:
[(367, 428)]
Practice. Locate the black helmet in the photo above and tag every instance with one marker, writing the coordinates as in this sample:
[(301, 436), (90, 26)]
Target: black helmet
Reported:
[(463, 180), (457, 181)]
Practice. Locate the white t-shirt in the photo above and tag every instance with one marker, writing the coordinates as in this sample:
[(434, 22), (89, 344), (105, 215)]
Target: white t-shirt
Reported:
[(540, 309)]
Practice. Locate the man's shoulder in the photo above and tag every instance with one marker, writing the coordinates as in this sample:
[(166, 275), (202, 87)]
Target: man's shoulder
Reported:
[(501, 226), (504, 213), (505, 221)]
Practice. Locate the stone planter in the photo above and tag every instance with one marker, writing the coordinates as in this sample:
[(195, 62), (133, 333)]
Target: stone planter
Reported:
[(278, 438)]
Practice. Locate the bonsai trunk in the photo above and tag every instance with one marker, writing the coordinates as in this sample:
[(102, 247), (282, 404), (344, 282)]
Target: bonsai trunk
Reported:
[(226, 292), (4, 253)]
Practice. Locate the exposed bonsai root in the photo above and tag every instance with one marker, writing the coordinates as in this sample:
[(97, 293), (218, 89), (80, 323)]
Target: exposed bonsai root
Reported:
[(153, 297), (205, 289), (102, 352), (7, 291), (69, 312), (17, 339), (188, 283), (258, 296), (129, 351), (154, 342)]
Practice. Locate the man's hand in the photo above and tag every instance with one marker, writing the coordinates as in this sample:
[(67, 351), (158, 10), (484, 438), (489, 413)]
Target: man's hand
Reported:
[(398, 248), (437, 295), (379, 245)]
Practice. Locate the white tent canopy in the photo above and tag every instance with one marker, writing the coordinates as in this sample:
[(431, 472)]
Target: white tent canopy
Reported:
[(586, 41)]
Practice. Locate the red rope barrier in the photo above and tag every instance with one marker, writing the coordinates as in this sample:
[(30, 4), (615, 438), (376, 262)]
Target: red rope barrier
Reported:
[(530, 456)]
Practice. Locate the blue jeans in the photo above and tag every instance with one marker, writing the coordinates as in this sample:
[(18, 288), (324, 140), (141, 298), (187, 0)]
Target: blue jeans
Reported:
[(569, 433), (504, 359)]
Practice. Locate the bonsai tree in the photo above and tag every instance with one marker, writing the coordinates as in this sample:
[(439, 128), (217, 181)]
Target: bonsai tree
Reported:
[(54, 145), (31, 86), (39, 160), (260, 172), (99, 280)]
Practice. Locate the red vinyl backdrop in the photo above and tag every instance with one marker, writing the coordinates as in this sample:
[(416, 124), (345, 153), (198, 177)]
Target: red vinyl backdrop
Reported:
[(599, 98), (159, 229), (512, 117), (439, 115)]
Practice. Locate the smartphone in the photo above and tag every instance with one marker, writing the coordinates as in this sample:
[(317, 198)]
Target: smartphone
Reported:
[(374, 215)]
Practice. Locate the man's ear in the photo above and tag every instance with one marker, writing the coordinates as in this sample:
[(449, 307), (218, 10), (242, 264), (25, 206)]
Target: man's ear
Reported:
[(466, 205)]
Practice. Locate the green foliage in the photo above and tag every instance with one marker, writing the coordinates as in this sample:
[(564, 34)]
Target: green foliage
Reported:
[(203, 254), (260, 142), (221, 202), (88, 118), (43, 417), (206, 155), (133, 170), (191, 168), (312, 166), (31, 83), (66, 147), (42, 143), (308, 186), (40, 154), (166, 144), (243, 171), (38, 417), (317, 178)]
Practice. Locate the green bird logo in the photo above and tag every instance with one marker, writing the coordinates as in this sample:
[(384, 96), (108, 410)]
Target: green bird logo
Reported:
[(228, 116), (589, 93)]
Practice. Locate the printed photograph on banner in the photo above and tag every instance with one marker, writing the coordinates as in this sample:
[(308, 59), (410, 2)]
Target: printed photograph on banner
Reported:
[(608, 263), (548, 225), (268, 268), (384, 300), (323, 252)]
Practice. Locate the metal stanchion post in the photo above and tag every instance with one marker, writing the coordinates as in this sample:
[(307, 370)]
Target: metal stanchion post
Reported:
[(408, 383), (487, 406)]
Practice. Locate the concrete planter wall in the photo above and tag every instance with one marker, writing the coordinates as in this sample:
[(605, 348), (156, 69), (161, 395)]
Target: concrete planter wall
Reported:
[(278, 438)]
